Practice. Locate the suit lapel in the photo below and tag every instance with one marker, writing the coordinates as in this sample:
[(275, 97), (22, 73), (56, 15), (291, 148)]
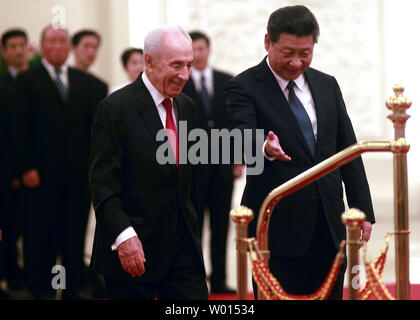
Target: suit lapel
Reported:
[(150, 115), (280, 104), (47, 79)]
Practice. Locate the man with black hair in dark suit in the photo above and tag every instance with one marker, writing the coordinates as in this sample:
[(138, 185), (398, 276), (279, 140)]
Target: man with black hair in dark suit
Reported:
[(206, 87), (14, 44), (51, 126), (5, 173), (305, 122)]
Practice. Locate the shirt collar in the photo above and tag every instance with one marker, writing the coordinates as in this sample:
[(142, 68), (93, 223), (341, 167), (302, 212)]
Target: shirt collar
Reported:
[(197, 73), (300, 81), (51, 69), (156, 95), (13, 72)]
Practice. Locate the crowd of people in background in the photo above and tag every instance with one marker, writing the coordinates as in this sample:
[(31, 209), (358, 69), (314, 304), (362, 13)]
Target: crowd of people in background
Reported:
[(47, 108)]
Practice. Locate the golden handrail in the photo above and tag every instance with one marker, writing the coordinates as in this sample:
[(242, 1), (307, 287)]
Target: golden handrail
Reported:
[(314, 173)]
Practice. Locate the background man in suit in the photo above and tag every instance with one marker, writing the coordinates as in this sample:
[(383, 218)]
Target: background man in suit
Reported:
[(206, 87), (147, 240), (304, 114), (15, 50), (52, 121), (85, 46), (132, 62), (5, 173)]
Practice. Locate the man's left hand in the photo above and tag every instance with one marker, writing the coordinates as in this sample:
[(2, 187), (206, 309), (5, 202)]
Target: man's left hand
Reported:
[(366, 229)]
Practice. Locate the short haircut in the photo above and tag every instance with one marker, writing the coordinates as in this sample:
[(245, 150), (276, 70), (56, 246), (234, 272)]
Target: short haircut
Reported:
[(11, 34), (78, 36), (50, 26), (196, 35), (127, 54), (154, 38), (296, 20)]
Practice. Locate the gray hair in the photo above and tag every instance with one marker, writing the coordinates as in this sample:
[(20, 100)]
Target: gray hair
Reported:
[(154, 38)]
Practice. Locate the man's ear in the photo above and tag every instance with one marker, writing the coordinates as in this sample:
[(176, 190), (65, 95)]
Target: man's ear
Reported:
[(148, 60), (267, 42)]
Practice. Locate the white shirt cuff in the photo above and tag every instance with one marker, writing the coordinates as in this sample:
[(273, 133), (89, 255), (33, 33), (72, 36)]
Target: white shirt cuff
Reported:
[(123, 236), (263, 151)]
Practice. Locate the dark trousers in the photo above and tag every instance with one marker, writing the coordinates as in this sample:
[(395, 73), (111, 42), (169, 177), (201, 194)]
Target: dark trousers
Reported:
[(184, 280), (5, 196), (55, 224), (304, 275), (13, 225), (215, 195)]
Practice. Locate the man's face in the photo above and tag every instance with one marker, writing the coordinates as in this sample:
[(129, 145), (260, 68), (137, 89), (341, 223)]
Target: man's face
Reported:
[(201, 54), (171, 71), (290, 56), (86, 50), (15, 51), (134, 65), (55, 46)]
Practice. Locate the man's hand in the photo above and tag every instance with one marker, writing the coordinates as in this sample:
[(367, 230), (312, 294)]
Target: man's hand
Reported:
[(366, 229), (237, 170), (132, 257), (31, 179), (273, 148)]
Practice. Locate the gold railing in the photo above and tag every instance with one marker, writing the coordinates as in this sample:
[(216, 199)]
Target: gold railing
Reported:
[(242, 216)]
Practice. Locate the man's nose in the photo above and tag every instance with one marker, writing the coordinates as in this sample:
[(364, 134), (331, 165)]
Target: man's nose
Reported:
[(184, 74), (296, 62)]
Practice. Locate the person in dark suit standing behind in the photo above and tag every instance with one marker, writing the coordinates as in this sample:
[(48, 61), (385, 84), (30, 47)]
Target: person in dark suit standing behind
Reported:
[(51, 126), (5, 172), (147, 241), (304, 117), (14, 45), (206, 87)]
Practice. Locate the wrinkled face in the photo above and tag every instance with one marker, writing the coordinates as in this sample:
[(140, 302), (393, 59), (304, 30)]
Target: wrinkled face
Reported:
[(16, 51), (55, 46), (86, 50), (134, 66), (290, 56), (201, 54), (171, 71)]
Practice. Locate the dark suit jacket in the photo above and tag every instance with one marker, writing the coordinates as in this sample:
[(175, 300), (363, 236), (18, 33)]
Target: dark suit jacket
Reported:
[(218, 118), (50, 135), (255, 100), (6, 148), (130, 188)]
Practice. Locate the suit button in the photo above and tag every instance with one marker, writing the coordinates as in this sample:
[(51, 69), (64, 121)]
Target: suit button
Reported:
[(210, 123)]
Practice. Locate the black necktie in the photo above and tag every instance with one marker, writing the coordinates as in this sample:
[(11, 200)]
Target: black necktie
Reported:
[(302, 117), (205, 97), (60, 86)]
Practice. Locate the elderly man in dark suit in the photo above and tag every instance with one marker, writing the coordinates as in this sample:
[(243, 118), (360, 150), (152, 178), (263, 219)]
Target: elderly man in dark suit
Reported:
[(304, 117), (52, 120), (147, 240)]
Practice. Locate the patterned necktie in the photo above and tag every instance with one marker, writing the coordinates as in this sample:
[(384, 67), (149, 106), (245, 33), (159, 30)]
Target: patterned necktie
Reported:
[(60, 86), (302, 117), (171, 128), (205, 97)]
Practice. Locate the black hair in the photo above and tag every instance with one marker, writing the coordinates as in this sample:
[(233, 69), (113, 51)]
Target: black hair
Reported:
[(78, 36), (127, 54), (296, 20), (195, 35), (11, 34)]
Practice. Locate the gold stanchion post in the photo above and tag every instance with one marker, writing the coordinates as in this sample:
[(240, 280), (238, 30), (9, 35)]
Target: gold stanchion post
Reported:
[(398, 104), (353, 220), (242, 216)]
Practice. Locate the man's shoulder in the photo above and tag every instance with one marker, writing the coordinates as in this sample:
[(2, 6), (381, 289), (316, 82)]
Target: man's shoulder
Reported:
[(318, 74), (222, 74)]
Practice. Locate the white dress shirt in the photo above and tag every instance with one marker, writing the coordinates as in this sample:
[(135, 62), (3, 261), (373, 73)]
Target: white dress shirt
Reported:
[(303, 92), (63, 74), (208, 76), (158, 100)]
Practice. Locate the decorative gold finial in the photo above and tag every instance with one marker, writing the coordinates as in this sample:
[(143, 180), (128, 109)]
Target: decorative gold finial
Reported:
[(241, 215), (398, 104), (353, 217)]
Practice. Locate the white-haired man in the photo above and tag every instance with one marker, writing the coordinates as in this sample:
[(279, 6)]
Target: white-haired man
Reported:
[(147, 240)]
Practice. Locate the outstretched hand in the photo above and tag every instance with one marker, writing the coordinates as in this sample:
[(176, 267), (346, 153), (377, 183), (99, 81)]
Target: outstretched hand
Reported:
[(273, 148)]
